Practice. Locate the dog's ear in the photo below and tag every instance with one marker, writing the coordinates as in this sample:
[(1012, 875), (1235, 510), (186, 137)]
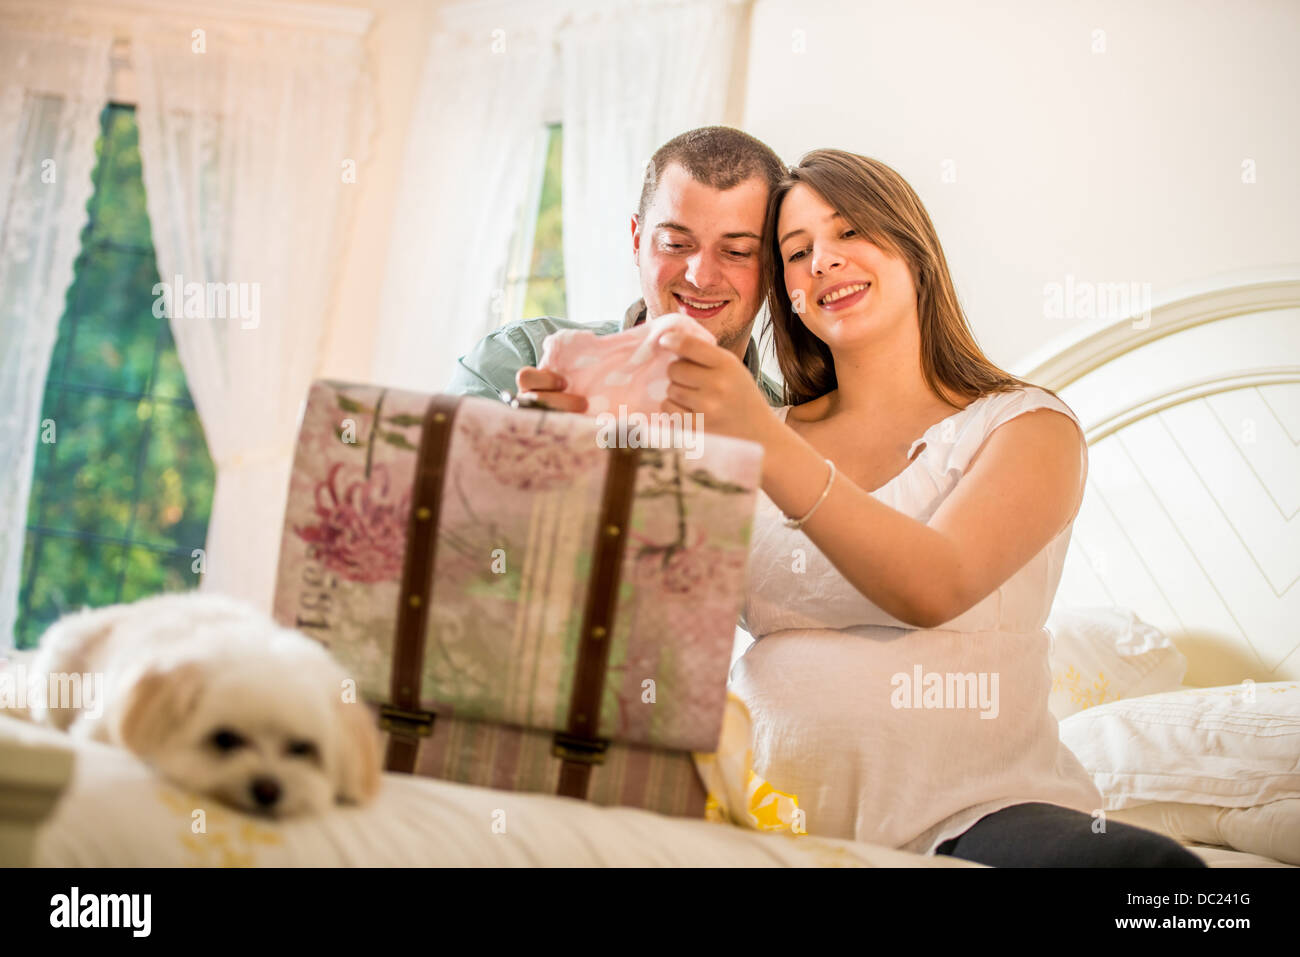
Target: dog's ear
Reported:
[(360, 758), (159, 699)]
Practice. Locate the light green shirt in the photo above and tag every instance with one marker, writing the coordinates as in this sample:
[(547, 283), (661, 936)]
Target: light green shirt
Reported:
[(489, 368)]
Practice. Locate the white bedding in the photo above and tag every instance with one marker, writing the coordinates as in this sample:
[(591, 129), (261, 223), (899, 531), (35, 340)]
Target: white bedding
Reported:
[(1227, 857), (109, 810), (114, 812), (1267, 831)]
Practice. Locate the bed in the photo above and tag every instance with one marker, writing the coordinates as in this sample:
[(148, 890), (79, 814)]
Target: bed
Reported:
[(1192, 417), (1185, 548)]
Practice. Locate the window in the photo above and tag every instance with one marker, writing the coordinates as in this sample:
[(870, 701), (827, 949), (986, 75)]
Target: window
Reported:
[(535, 276), (122, 483)]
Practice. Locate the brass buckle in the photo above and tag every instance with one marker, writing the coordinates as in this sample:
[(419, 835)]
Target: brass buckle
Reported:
[(411, 724), (586, 750)]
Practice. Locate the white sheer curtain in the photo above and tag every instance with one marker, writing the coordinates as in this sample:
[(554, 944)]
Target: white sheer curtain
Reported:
[(53, 87), (635, 75), (469, 158), (244, 149)]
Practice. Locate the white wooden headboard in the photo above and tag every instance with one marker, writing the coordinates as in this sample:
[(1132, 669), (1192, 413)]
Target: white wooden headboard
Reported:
[(1193, 426)]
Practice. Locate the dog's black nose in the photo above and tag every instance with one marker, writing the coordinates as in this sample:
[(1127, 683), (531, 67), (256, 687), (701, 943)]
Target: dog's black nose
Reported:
[(266, 791)]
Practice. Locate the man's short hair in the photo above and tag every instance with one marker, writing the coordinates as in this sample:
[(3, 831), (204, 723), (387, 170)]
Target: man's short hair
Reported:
[(717, 156)]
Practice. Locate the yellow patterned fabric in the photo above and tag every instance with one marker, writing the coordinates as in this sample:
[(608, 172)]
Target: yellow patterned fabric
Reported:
[(213, 836), (736, 794), (1082, 696), (1101, 655)]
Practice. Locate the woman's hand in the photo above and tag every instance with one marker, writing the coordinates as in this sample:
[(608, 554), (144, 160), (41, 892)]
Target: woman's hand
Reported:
[(714, 382)]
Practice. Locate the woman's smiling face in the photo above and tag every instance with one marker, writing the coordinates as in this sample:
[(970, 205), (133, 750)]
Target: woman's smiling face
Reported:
[(844, 287)]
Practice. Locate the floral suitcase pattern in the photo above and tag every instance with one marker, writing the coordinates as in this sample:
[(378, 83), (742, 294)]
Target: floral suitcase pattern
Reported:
[(522, 608)]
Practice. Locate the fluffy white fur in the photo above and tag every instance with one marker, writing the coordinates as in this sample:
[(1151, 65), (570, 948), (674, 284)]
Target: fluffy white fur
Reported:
[(218, 698)]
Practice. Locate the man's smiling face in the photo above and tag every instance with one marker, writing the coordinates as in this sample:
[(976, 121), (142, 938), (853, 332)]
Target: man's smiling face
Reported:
[(698, 251)]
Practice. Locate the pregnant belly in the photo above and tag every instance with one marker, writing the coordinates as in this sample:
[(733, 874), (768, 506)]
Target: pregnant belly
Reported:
[(869, 729)]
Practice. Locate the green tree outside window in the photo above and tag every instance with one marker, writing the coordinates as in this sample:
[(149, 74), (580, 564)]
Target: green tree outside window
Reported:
[(537, 274), (121, 498)]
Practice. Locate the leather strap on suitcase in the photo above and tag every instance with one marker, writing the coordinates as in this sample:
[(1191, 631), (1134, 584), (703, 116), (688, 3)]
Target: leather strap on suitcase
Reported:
[(402, 717), (577, 746)]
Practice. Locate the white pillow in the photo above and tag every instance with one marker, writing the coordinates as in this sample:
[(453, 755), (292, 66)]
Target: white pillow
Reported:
[(1235, 746), (1269, 830), (1106, 654)]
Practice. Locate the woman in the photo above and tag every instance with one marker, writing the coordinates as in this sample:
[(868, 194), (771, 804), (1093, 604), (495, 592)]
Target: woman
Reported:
[(899, 681)]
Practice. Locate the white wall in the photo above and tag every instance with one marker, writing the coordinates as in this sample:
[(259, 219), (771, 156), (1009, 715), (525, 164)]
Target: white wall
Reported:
[(1119, 166)]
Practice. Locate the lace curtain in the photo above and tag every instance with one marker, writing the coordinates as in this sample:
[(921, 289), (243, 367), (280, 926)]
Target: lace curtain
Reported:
[(635, 75), (632, 74), (249, 150), (469, 158), (53, 87)]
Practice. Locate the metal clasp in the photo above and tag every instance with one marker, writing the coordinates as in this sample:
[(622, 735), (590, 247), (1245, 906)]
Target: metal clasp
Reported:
[(412, 724), (586, 750)]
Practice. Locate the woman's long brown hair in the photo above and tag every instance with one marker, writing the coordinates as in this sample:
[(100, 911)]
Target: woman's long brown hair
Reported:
[(881, 206)]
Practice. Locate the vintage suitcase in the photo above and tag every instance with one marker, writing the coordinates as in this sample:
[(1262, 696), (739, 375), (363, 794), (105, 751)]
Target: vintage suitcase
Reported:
[(521, 606)]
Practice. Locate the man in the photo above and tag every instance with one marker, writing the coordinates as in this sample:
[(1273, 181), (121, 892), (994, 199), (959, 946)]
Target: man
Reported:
[(697, 241)]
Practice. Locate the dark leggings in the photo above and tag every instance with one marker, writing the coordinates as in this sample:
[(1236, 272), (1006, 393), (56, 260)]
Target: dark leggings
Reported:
[(1044, 835)]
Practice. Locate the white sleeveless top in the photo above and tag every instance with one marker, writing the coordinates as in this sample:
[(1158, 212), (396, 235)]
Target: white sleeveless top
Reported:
[(876, 727)]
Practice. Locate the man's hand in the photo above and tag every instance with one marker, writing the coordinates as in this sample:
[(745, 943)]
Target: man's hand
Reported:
[(548, 388)]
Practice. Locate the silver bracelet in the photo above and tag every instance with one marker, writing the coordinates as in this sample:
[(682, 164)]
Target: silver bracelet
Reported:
[(797, 522)]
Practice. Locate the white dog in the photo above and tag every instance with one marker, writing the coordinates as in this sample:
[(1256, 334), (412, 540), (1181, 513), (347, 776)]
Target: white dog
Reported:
[(217, 697)]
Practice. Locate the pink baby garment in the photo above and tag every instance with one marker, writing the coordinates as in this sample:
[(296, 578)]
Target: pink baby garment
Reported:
[(629, 368)]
